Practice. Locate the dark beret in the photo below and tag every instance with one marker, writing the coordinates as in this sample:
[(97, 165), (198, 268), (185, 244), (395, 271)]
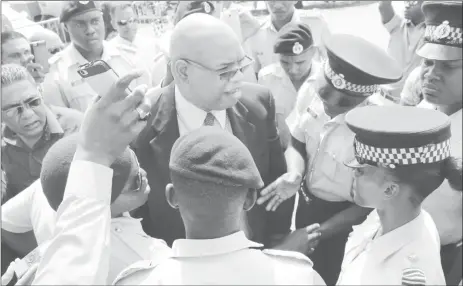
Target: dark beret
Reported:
[(357, 65), (213, 155), (443, 36), (399, 135), (73, 8), (293, 40), (187, 8), (57, 161)]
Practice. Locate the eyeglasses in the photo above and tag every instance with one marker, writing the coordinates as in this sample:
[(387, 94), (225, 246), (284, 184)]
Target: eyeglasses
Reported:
[(125, 22), (18, 109), (140, 177), (229, 72)]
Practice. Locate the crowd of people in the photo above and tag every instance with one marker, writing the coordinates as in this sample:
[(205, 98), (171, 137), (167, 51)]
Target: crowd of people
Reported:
[(274, 152)]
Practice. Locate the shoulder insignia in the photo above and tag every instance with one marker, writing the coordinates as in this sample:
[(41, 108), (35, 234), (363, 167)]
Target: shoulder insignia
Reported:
[(288, 254), (135, 267), (312, 113), (413, 277)]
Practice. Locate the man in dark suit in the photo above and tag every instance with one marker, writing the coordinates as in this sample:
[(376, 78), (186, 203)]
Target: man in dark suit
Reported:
[(207, 63)]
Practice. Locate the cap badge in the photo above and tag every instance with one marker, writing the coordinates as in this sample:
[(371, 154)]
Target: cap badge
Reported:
[(84, 2), (297, 48), (338, 81), (207, 7), (442, 31)]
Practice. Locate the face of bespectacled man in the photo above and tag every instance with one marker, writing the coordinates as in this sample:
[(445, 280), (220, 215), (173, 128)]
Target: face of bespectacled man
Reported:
[(87, 30), (23, 110), (126, 22)]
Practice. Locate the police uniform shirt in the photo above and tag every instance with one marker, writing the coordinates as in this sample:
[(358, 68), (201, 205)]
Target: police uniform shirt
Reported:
[(30, 211), (227, 260), (445, 203), (405, 39), (140, 52), (407, 255), (285, 94), (326, 141), (261, 43), (63, 86)]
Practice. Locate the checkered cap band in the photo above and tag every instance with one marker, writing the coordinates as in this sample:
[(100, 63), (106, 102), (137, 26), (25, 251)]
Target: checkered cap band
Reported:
[(339, 82), (430, 153), (454, 37)]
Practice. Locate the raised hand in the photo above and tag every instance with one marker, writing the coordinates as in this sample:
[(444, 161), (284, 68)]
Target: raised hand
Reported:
[(303, 240), (282, 189)]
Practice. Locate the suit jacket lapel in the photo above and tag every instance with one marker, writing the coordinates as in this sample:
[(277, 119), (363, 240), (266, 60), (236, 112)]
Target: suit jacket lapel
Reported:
[(241, 127), (165, 125)]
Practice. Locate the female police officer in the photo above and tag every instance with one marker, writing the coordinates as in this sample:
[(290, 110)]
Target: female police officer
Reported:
[(402, 154)]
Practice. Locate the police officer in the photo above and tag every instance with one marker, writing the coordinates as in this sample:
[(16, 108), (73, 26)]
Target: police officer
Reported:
[(295, 69), (320, 142), (402, 154), (214, 180), (63, 86), (441, 87)]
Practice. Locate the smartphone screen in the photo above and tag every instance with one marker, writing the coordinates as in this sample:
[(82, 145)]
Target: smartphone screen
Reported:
[(41, 54)]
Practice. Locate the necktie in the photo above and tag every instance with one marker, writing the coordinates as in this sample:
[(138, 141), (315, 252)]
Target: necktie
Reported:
[(210, 120)]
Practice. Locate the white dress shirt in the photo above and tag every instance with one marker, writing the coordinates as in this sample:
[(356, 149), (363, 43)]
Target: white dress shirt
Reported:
[(191, 117)]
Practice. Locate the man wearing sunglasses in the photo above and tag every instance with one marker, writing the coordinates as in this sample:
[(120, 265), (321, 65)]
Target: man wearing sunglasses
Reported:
[(30, 128), (207, 63), (406, 37), (320, 143), (63, 86), (35, 209)]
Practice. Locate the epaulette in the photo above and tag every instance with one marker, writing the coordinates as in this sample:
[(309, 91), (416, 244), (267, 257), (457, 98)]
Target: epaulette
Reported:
[(288, 254), (269, 70), (134, 268)]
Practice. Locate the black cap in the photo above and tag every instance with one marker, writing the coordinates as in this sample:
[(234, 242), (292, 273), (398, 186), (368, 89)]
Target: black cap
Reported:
[(293, 40), (191, 7), (398, 135), (443, 37), (73, 8), (358, 66)]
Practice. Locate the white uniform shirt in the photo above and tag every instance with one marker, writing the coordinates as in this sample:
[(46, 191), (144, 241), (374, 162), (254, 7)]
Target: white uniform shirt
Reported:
[(63, 86), (29, 210), (405, 39), (409, 254), (329, 143), (263, 41), (445, 203), (227, 260), (140, 52), (285, 94)]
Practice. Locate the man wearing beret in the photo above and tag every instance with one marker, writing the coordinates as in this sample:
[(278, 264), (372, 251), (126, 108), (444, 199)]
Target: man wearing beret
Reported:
[(208, 89), (319, 146), (294, 72), (214, 181), (283, 13), (63, 86), (441, 87)]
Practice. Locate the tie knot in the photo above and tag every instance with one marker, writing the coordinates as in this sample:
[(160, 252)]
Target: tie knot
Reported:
[(210, 120)]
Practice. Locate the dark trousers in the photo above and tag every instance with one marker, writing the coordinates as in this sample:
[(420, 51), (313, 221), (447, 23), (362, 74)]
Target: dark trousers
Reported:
[(451, 258), (329, 253)]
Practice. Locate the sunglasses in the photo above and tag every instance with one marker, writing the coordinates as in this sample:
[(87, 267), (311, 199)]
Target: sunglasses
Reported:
[(125, 22), (227, 73), (139, 181), (18, 109)]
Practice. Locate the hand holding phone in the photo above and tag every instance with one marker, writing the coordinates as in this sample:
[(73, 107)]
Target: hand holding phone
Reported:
[(41, 55)]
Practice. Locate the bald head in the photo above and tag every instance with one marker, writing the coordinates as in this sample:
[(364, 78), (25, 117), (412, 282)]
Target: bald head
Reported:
[(205, 39)]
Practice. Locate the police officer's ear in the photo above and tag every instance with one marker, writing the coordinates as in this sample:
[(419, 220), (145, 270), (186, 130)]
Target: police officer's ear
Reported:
[(251, 198), (180, 70), (392, 190), (170, 196)]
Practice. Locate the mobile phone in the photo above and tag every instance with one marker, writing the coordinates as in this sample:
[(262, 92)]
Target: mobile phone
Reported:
[(99, 75), (41, 54), (30, 259)]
